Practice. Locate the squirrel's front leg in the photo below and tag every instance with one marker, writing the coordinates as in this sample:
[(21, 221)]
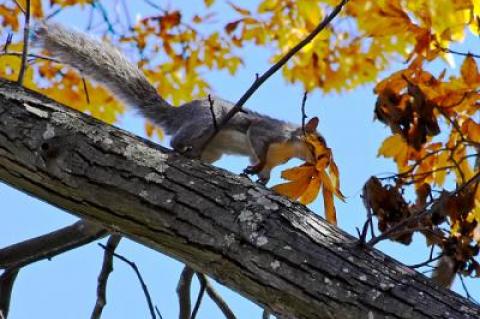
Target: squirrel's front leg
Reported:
[(258, 149)]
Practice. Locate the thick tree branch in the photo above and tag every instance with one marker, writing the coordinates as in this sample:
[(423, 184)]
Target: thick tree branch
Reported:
[(274, 252), (51, 244)]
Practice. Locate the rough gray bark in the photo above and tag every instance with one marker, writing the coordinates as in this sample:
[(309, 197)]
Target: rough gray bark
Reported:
[(274, 252)]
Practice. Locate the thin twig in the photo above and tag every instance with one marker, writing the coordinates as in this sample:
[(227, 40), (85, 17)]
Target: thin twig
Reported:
[(447, 50), (85, 89), (103, 12), (304, 115), (265, 76), (140, 279), (153, 5), (53, 14), (201, 293), (8, 42), (127, 15), (158, 312), (215, 296), (465, 289), (212, 111), (7, 279), (183, 292), (426, 262), (26, 36), (107, 268)]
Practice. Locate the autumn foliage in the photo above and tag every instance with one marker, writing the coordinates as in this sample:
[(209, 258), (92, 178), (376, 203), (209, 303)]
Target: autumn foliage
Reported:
[(433, 117)]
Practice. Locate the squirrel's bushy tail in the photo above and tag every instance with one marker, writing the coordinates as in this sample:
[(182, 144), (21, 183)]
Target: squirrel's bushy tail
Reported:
[(103, 63)]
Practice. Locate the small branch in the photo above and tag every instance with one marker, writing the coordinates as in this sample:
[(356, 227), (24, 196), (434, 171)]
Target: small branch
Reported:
[(266, 314), (201, 293), (304, 115), (50, 245), (140, 279), (153, 5), (183, 292), (212, 111), (465, 289), (7, 279), (35, 56), (8, 42), (53, 14), (265, 76), (107, 268), (127, 15), (85, 89), (447, 50), (103, 12), (26, 36), (426, 262), (215, 296)]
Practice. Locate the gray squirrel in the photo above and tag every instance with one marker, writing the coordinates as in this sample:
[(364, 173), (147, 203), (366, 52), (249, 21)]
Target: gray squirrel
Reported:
[(268, 142)]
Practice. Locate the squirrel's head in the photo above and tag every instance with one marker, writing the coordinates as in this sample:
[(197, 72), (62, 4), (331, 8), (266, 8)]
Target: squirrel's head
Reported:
[(306, 151)]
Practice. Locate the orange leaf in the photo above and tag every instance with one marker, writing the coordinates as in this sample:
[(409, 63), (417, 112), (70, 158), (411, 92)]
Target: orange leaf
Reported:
[(330, 213), (299, 172), (294, 189), (469, 71), (312, 190)]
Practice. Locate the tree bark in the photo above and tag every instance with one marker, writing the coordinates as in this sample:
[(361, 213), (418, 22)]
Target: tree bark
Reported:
[(274, 252)]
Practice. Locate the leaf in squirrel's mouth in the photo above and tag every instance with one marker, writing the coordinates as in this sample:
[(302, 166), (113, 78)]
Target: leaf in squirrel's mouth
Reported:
[(305, 181)]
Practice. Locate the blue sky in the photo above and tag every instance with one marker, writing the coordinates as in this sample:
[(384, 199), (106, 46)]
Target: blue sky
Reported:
[(65, 287)]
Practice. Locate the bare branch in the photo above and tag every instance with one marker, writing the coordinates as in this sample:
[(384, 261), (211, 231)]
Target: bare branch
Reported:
[(151, 308), (107, 268), (85, 89), (183, 292), (50, 245), (212, 111), (8, 42), (465, 289), (215, 296), (265, 76), (35, 56), (26, 36), (447, 50), (201, 293), (7, 279), (304, 115)]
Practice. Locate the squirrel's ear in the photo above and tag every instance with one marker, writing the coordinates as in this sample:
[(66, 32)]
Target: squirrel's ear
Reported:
[(311, 125)]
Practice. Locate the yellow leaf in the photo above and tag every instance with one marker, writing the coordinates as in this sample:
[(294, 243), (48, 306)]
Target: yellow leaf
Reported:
[(442, 161), (395, 147), (208, 3)]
